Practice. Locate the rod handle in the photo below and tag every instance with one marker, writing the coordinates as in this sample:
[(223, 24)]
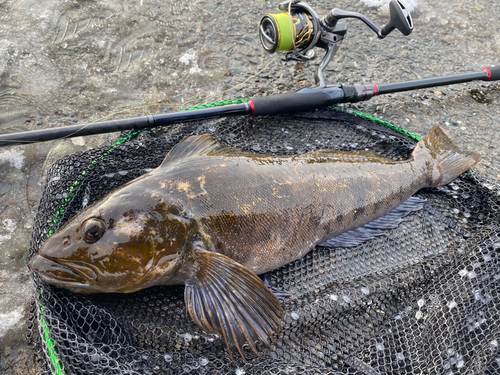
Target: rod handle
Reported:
[(493, 73), (302, 100)]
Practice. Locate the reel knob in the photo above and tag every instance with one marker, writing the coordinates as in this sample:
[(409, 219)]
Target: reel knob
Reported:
[(400, 19)]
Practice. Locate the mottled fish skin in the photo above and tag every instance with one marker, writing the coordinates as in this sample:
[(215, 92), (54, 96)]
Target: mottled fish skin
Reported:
[(214, 217), (265, 212)]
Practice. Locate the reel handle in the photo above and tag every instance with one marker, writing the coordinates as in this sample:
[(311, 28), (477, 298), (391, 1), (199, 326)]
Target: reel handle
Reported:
[(400, 19)]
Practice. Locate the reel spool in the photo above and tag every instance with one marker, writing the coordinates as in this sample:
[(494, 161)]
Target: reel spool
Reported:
[(298, 29)]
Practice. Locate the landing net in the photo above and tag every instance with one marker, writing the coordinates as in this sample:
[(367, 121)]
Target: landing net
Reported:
[(422, 300)]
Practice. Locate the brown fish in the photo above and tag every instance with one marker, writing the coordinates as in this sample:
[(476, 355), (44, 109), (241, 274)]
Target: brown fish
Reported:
[(213, 218)]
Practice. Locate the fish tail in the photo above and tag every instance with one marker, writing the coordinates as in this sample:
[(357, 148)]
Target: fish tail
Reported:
[(448, 161)]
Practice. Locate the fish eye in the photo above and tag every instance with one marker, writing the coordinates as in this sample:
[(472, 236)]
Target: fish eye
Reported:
[(93, 230)]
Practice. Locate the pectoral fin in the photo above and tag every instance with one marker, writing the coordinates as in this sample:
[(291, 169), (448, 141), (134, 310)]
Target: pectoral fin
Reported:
[(227, 299)]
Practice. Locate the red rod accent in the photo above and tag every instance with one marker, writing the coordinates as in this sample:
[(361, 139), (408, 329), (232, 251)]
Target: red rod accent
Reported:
[(376, 89), (252, 106), (489, 74)]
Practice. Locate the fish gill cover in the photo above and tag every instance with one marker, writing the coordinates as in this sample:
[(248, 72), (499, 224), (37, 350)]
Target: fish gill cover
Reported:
[(423, 299)]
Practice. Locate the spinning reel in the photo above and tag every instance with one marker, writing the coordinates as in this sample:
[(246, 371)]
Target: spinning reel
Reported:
[(298, 29)]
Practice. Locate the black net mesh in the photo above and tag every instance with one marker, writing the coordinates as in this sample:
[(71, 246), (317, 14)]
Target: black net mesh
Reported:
[(422, 300)]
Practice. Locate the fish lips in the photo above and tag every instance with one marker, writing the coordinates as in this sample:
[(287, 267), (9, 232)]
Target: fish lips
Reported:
[(62, 273)]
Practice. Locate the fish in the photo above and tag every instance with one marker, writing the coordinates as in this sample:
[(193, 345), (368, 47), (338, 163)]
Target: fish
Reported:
[(213, 217)]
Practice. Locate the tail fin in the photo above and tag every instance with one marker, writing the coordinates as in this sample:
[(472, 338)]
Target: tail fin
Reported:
[(448, 160)]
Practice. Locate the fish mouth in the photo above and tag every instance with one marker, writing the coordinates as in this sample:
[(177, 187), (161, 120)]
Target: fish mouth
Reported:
[(71, 274)]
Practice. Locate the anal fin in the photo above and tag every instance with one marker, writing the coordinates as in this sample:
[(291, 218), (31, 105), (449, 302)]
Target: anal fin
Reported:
[(377, 227), (227, 299)]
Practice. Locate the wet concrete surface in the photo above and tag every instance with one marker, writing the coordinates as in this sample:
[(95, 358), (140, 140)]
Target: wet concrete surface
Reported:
[(68, 62)]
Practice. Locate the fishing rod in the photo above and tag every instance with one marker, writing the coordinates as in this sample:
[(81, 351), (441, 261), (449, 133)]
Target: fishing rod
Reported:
[(298, 29)]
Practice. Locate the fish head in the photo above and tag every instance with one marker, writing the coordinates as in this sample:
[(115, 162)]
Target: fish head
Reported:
[(115, 247)]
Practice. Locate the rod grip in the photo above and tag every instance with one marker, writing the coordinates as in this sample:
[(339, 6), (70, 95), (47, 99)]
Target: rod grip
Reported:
[(493, 73), (296, 101)]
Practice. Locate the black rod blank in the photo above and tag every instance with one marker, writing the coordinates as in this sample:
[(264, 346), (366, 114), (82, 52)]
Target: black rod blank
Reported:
[(431, 82), (135, 123)]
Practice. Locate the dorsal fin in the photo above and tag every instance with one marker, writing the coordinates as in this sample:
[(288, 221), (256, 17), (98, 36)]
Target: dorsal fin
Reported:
[(192, 146)]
